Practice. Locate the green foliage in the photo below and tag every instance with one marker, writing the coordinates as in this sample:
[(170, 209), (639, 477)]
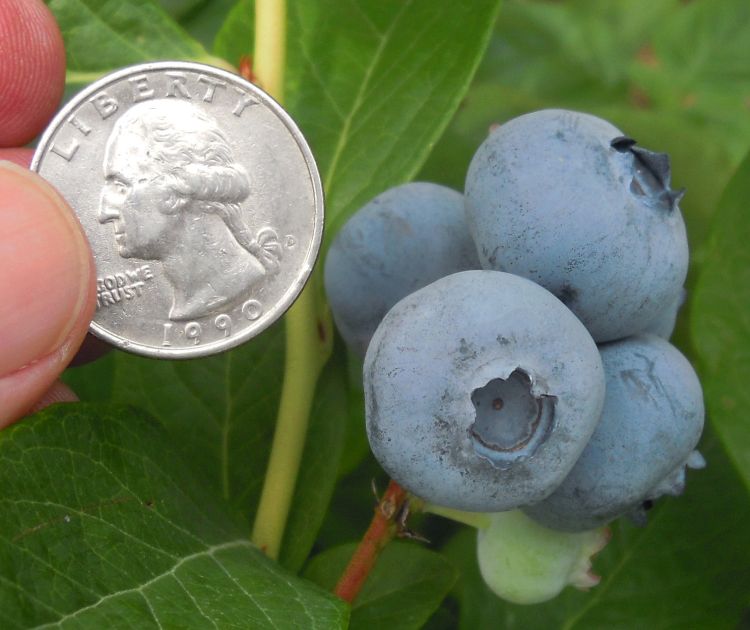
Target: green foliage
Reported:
[(721, 321), (403, 590), (180, 8), (104, 525), (205, 19), (151, 519), (219, 410), (236, 37), (103, 35)]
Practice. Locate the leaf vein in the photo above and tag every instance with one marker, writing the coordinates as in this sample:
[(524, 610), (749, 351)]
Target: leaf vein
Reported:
[(206, 552), (359, 98), (195, 601)]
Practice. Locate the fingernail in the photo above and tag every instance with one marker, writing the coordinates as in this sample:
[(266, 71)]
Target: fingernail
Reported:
[(46, 269)]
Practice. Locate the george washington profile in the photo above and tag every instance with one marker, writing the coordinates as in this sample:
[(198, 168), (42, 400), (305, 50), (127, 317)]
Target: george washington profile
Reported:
[(174, 194)]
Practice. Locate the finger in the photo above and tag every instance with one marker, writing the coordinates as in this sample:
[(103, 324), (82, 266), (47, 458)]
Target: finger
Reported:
[(59, 392), (21, 156), (32, 69), (46, 288), (92, 347)]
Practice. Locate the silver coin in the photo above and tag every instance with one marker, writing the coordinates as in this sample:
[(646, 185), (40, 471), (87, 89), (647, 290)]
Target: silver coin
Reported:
[(200, 198)]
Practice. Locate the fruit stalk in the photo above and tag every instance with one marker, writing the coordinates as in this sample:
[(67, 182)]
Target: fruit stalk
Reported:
[(382, 529)]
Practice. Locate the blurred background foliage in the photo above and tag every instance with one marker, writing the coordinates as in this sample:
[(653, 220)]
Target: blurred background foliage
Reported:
[(674, 75)]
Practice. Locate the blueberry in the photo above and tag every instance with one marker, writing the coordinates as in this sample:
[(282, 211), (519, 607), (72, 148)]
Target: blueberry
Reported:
[(652, 420), (564, 199), (400, 241), (481, 391), (663, 325)]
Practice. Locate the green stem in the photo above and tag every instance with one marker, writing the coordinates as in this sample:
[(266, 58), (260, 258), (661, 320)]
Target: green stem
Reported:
[(308, 334), (305, 356), (270, 46)]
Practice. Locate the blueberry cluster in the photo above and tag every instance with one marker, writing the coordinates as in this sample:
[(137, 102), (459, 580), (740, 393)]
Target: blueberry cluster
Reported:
[(515, 337)]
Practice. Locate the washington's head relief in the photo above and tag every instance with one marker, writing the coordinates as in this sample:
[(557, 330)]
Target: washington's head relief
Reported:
[(174, 193)]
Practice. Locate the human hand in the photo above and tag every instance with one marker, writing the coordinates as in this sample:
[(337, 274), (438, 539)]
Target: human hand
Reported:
[(46, 268)]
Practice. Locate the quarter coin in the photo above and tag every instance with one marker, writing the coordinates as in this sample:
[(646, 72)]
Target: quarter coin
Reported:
[(201, 201)]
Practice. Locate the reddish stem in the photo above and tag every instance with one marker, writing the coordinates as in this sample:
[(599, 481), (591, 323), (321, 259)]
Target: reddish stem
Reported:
[(246, 69), (381, 531)]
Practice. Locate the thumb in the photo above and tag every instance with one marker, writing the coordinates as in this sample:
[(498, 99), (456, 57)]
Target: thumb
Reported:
[(46, 289)]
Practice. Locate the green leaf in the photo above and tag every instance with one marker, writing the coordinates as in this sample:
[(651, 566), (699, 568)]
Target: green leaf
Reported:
[(179, 8), (102, 35), (236, 37), (220, 410), (374, 83), (205, 21), (688, 568), (221, 413), (103, 526), (403, 590), (721, 321), (357, 446)]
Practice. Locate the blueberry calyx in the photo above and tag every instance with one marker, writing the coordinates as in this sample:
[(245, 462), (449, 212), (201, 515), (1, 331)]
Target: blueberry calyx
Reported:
[(623, 144), (672, 485), (671, 198), (653, 174), (511, 419)]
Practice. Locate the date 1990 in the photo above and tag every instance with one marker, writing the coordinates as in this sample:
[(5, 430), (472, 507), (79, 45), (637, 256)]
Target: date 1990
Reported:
[(193, 331)]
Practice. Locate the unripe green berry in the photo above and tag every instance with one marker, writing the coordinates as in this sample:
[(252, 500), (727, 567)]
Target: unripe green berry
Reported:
[(526, 563)]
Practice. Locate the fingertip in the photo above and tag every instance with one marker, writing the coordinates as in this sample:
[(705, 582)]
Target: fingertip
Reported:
[(26, 390), (57, 393), (20, 156), (32, 71), (46, 288)]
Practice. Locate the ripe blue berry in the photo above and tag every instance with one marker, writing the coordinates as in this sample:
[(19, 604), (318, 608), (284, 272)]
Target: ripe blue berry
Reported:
[(481, 391), (652, 421), (663, 325), (564, 199), (400, 241)]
